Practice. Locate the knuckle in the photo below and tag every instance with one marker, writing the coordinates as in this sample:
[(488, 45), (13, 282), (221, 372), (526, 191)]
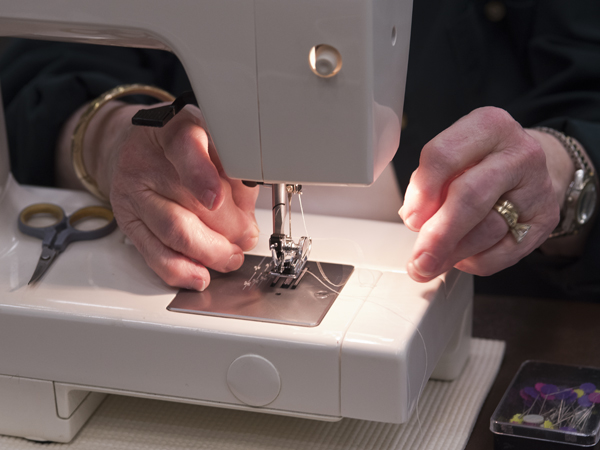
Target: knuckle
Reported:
[(178, 271), (171, 271), (526, 164), (491, 117), (532, 152), (438, 155), (526, 151), (185, 135), (472, 194), (437, 238), (131, 228), (176, 233), (248, 243), (193, 137)]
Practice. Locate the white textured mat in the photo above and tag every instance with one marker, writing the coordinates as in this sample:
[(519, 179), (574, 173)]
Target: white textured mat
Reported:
[(447, 413)]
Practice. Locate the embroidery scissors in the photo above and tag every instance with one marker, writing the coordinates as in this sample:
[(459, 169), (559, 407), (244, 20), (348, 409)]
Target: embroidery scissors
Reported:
[(57, 236)]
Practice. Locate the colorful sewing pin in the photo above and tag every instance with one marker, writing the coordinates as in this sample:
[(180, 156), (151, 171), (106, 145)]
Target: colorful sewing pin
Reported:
[(548, 424), (584, 401), (530, 392), (594, 397), (588, 388), (547, 390), (533, 420), (517, 418)]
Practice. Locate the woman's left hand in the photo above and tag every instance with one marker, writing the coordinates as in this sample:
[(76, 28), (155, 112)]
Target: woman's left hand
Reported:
[(463, 172)]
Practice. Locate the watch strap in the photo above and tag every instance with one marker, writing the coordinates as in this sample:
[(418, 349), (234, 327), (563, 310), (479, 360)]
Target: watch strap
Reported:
[(582, 162)]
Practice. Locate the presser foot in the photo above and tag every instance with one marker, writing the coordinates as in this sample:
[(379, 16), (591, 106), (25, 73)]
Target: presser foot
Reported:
[(253, 293), (288, 258)]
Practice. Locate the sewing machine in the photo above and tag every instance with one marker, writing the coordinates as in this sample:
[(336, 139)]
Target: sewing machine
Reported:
[(296, 92)]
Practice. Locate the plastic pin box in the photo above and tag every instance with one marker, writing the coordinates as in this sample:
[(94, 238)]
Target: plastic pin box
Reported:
[(548, 407)]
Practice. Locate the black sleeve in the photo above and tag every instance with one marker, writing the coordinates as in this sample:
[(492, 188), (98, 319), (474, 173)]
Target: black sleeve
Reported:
[(564, 66), (539, 60), (43, 83)]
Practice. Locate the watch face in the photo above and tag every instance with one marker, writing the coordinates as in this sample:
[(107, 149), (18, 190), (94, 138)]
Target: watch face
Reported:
[(586, 203)]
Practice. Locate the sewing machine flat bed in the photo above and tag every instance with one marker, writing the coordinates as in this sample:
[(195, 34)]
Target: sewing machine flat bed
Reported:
[(98, 323)]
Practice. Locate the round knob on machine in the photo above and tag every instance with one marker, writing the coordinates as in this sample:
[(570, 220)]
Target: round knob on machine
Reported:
[(253, 380), (325, 60)]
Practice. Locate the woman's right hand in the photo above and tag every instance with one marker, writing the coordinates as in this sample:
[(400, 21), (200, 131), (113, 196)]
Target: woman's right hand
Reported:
[(170, 194)]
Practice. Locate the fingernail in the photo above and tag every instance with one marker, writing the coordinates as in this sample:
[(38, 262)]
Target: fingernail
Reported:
[(235, 262), (198, 285), (410, 222), (250, 239), (208, 199), (426, 264)]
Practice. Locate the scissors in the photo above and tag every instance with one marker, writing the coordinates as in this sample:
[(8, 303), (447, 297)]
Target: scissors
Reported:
[(57, 236)]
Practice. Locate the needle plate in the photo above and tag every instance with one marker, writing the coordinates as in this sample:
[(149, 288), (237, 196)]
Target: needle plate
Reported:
[(251, 293)]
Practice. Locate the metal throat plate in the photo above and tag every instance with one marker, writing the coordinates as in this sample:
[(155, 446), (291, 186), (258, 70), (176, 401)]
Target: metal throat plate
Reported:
[(251, 293)]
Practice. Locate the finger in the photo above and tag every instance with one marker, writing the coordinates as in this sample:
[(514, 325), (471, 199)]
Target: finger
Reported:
[(153, 173), (470, 199), (234, 217), (173, 268), (490, 246), (518, 176), (449, 154), (237, 225), (483, 237), (486, 234), (186, 145), (507, 251), (182, 231), (245, 199), (492, 260), (244, 196)]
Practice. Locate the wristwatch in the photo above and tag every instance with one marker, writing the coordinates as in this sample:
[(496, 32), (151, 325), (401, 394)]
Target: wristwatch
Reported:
[(581, 196)]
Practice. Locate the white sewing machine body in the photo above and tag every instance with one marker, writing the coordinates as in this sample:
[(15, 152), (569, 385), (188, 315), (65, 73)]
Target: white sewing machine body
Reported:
[(97, 322), (272, 119)]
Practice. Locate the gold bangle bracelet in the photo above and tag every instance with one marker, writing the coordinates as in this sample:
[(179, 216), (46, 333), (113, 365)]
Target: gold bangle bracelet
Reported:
[(78, 135)]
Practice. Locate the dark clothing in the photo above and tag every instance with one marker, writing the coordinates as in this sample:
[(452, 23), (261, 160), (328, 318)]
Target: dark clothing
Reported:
[(538, 60), (44, 83)]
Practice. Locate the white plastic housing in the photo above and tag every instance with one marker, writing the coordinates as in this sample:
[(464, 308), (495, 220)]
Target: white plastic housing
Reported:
[(97, 322), (272, 119)]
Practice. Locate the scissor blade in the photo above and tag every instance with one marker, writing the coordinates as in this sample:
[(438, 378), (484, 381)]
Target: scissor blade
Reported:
[(44, 262)]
